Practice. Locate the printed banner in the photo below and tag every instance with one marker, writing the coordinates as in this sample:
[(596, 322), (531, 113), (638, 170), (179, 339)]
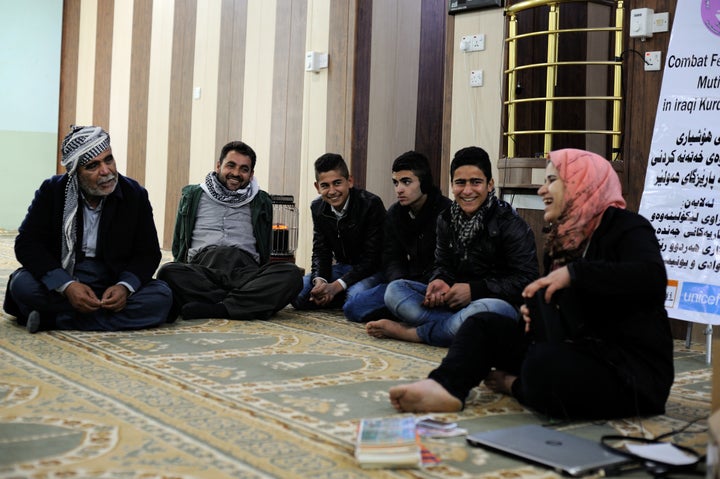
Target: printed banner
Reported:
[(682, 185)]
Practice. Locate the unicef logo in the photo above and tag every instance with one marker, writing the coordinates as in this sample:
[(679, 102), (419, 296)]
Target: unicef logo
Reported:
[(710, 11)]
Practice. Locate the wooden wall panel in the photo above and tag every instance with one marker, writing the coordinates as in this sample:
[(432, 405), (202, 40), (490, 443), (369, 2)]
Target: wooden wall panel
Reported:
[(394, 76), (288, 86), (231, 74), (361, 91), (139, 86), (340, 97), (445, 148), (68, 71), (183, 55), (103, 63), (429, 120), (641, 99)]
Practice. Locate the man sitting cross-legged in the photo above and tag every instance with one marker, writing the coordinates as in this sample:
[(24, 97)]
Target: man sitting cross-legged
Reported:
[(222, 243), (88, 247)]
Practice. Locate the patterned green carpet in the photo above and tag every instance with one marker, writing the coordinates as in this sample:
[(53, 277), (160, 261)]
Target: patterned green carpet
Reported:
[(259, 399)]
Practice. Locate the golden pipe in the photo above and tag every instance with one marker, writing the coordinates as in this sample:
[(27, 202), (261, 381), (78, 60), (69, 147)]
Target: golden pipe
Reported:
[(580, 132), (562, 98), (511, 87), (567, 30), (550, 76), (560, 64), (518, 7), (617, 82)]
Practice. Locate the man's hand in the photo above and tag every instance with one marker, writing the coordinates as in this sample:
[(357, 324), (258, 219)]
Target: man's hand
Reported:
[(322, 293), (82, 297), (458, 296), (115, 298), (435, 293)]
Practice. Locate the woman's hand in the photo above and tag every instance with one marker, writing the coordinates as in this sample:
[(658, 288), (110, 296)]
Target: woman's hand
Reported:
[(525, 312), (556, 280)]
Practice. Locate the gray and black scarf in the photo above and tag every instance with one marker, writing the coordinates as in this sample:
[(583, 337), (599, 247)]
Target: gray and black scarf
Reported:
[(222, 195), (465, 228)]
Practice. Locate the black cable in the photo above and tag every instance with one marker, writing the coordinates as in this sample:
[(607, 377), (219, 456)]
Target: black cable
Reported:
[(624, 96), (656, 468), (682, 429)]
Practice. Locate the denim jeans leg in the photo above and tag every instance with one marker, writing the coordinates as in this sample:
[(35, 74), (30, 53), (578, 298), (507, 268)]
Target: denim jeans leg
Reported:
[(361, 304), (302, 301), (442, 332), (404, 299)]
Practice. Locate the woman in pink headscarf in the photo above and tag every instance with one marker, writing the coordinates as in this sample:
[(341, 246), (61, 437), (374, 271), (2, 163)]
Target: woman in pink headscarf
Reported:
[(605, 287)]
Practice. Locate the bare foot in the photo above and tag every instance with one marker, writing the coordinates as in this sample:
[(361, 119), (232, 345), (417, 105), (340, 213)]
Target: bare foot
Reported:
[(387, 328), (500, 382), (423, 396)]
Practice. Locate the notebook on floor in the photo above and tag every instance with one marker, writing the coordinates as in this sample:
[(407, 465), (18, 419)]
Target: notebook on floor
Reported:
[(559, 450)]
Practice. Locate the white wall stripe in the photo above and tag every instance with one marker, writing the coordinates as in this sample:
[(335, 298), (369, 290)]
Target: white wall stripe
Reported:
[(120, 81), (257, 118), (314, 137), (86, 63), (205, 77), (158, 107)]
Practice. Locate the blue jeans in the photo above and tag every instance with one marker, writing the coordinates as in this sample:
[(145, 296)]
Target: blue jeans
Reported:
[(366, 305), (436, 326), (338, 270)]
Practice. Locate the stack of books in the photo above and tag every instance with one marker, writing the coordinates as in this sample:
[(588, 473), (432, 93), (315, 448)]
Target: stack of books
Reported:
[(388, 443)]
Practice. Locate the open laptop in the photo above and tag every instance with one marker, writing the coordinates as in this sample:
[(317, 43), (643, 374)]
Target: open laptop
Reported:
[(559, 450)]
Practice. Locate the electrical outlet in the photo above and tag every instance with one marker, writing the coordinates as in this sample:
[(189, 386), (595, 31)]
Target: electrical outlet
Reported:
[(472, 43), (476, 78), (652, 61)]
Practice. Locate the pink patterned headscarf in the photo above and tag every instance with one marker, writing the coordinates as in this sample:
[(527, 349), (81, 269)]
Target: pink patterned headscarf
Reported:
[(591, 186)]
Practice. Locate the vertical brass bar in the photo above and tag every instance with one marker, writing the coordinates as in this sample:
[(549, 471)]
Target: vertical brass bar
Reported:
[(551, 74), (511, 86), (617, 83)]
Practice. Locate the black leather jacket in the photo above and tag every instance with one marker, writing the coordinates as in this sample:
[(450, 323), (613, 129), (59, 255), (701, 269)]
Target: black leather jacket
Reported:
[(409, 249), (356, 239), (499, 263)]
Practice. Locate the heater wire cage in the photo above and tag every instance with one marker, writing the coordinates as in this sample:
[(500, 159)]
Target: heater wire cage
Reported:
[(284, 228)]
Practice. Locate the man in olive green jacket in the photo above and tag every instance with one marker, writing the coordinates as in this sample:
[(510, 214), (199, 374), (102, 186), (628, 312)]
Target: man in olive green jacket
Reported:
[(221, 246)]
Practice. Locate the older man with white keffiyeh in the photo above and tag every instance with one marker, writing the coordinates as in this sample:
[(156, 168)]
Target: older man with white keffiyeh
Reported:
[(88, 247)]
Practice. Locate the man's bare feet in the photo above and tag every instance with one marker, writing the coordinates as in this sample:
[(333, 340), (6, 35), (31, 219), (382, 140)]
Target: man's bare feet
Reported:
[(500, 382), (387, 328), (423, 396)]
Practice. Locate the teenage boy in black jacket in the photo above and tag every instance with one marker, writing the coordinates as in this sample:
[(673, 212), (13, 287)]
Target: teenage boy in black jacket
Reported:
[(347, 238), (409, 237), (485, 256)]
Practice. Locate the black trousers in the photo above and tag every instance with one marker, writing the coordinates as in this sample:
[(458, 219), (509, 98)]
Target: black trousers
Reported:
[(230, 276), (565, 380)]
